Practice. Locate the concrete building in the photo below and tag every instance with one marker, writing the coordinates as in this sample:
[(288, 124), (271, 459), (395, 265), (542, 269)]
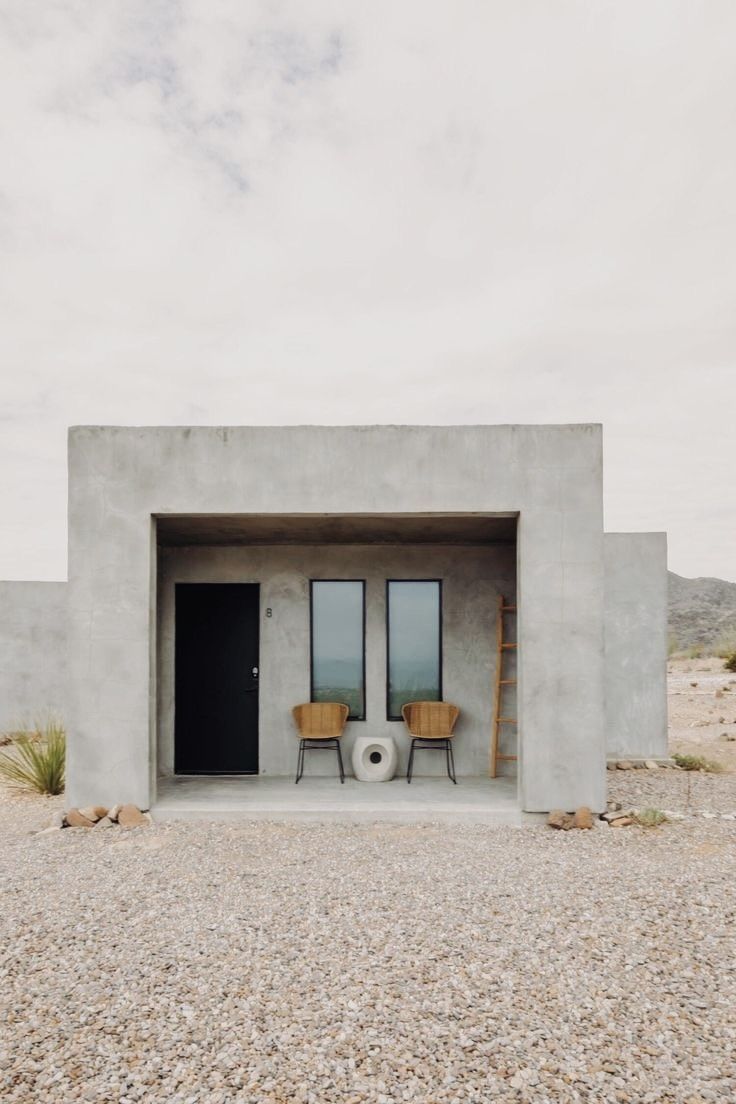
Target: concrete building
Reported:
[(366, 561)]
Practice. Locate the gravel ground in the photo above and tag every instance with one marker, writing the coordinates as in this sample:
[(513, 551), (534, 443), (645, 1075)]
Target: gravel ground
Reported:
[(701, 700), (308, 963), (689, 792)]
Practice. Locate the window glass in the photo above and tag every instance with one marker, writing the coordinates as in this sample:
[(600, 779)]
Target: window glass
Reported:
[(414, 643), (338, 644)]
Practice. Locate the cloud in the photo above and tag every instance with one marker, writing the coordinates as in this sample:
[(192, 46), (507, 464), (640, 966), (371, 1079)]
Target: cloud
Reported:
[(279, 212)]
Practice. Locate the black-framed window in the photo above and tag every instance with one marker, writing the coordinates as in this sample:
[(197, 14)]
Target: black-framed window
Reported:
[(413, 644), (337, 643)]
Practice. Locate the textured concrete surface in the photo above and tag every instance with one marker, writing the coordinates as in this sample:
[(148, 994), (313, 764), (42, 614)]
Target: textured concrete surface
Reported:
[(636, 645), (33, 654), (426, 800), (551, 475), (472, 579)]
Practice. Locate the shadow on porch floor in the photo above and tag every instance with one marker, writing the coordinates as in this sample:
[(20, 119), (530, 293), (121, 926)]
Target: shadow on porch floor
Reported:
[(474, 800)]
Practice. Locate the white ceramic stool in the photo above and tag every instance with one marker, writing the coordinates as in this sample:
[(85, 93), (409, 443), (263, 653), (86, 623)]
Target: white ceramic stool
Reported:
[(374, 758)]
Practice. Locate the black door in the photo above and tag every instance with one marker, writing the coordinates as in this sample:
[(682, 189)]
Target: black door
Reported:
[(216, 656)]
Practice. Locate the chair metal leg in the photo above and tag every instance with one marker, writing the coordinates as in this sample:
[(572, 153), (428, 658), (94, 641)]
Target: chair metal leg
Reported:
[(299, 762), (339, 759), (411, 763), (451, 761)]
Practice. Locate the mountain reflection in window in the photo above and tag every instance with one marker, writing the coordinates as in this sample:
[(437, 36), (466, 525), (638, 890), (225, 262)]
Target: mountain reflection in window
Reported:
[(338, 643), (414, 643)]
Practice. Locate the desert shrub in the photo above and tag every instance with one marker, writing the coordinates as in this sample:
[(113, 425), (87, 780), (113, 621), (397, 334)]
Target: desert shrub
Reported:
[(37, 761), (697, 763), (724, 644), (650, 818), (672, 645), (730, 662)]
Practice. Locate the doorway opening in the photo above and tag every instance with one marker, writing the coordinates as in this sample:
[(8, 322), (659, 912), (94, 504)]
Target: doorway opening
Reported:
[(216, 678)]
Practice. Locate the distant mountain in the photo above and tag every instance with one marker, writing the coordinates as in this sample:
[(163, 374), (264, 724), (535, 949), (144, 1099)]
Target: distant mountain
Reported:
[(701, 611)]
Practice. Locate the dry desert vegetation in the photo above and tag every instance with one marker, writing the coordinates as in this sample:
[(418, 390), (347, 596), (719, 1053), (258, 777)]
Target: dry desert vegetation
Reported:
[(249, 962), (702, 709)]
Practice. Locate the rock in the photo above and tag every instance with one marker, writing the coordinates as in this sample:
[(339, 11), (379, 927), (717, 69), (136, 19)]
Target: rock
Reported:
[(621, 822), (75, 818), (93, 812), (130, 816), (613, 806), (57, 820), (610, 766), (114, 813), (51, 828), (559, 819), (693, 684), (651, 765), (624, 764), (583, 818), (104, 822)]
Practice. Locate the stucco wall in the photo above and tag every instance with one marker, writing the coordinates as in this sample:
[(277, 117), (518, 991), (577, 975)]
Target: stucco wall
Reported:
[(636, 645), (33, 653), (552, 475), (472, 579)]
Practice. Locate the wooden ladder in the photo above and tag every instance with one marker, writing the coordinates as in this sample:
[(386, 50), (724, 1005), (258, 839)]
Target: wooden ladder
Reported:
[(503, 648)]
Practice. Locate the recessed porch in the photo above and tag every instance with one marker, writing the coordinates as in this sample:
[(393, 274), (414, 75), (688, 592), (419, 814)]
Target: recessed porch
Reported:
[(469, 559)]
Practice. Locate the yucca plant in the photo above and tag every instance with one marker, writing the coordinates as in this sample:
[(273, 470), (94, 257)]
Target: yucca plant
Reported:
[(37, 760)]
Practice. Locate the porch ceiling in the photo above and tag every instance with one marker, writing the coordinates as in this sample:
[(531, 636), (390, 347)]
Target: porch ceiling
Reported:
[(176, 530)]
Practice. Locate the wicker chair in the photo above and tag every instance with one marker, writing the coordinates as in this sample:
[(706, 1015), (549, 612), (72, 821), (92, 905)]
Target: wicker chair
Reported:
[(430, 725), (320, 726)]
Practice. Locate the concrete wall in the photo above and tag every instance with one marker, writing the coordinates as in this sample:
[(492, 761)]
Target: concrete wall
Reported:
[(636, 645), (33, 653), (472, 579), (551, 475)]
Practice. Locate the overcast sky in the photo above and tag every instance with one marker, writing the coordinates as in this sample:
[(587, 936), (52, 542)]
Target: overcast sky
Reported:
[(349, 212)]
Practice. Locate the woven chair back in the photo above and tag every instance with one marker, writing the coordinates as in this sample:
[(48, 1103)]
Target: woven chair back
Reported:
[(320, 720), (430, 720)]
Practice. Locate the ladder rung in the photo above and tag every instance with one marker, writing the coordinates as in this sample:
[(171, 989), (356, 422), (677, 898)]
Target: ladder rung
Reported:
[(509, 609), (505, 720), (509, 645), (507, 682), (508, 758)]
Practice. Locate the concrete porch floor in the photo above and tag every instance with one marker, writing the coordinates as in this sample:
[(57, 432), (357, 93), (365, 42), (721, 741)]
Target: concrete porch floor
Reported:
[(474, 800)]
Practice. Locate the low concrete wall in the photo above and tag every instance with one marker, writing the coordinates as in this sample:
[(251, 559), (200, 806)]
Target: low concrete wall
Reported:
[(33, 653), (472, 579), (636, 645)]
